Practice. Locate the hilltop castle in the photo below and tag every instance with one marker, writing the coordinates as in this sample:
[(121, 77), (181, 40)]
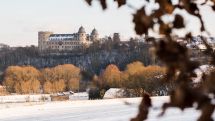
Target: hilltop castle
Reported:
[(50, 41)]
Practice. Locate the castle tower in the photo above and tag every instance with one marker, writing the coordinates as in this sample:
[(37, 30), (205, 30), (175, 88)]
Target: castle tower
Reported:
[(43, 37), (94, 35), (82, 34), (116, 37)]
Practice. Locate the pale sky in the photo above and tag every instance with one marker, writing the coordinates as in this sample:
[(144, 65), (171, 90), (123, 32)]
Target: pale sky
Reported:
[(20, 20)]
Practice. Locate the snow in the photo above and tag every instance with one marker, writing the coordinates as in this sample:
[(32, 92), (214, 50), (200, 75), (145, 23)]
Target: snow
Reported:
[(199, 72), (40, 97), (93, 110), (114, 93), (202, 47), (197, 42), (79, 96), (24, 98)]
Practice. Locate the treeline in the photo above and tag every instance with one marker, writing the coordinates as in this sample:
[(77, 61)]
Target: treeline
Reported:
[(27, 79), (93, 59), (67, 77), (136, 77)]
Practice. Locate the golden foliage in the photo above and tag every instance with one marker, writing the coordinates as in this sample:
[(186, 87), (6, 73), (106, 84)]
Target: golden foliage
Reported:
[(27, 79), (19, 79), (152, 72), (47, 87), (111, 76), (73, 84), (58, 86), (66, 72), (134, 67), (35, 86), (138, 77), (61, 74)]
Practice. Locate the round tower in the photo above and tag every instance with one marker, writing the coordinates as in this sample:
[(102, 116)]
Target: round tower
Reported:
[(82, 34), (116, 37), (43, 36), (94, 35)]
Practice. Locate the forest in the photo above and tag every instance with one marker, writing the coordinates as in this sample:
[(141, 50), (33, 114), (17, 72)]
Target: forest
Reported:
[(93, 59), (136, 79)]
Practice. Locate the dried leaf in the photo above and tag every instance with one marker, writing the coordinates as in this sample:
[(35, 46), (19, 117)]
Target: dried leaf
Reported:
[(89, 2), (143, 108), (103, 4), (178, 22), (120, 2), (213, 7), (169, 8), (142, 22), (166, 5), (207, 111), (165, 29)]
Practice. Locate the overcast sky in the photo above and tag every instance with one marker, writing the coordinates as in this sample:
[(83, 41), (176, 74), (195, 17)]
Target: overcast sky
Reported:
[(20, 20)]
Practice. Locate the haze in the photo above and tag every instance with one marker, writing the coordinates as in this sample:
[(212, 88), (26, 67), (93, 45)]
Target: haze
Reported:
[(22, 19)]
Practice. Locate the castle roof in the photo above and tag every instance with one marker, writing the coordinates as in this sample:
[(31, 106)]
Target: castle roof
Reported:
[(57, 37), (94, 32), (81, 30)]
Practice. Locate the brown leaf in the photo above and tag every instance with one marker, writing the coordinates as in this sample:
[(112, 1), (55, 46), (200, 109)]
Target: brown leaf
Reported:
[(166, 5), (213, 7), (89, 2), (178, 22), (169, 8), (188, 35), (103, 4), (143, 108), (120, 2), (165, 29), (207, 111), (193, 8), (181, 97), (142, 22)]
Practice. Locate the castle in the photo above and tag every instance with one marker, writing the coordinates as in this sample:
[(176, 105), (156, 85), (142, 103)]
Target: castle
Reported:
[(50, 41)]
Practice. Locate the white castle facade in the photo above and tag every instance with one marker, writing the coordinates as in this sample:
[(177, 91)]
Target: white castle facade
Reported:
[(50, 41)]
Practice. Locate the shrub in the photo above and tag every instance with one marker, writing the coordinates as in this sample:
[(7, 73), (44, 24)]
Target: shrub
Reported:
[(94, 93), (60, 98), (110, 77)]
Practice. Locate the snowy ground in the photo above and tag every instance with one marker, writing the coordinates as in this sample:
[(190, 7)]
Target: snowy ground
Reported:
[(90, 110), (39, 98)]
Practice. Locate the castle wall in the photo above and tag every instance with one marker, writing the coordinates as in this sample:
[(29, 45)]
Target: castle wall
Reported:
[(64, 45), (50, 41), (43, 37)]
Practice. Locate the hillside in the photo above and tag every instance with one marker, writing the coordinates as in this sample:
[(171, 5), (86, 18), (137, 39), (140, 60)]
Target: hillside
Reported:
[(92, 60)]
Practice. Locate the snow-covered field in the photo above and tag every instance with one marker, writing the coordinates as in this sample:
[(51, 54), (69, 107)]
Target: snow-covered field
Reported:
[(39, 98), (24, 98), (90, 110)]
